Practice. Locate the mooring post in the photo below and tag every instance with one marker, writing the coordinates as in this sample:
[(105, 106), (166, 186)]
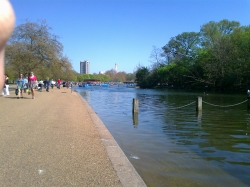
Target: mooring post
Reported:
[(135, 119), (135, 105), (135, 112), (199, 116), (199, 104)]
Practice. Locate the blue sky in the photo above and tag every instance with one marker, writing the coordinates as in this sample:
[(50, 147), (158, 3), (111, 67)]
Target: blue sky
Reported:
[(106, 32)]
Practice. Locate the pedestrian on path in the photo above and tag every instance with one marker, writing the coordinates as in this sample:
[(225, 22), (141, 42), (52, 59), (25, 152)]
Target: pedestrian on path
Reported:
[(20, 85), (47, 84), (32, 81), (25, 85), (40, 85), (6, 86), (59, 83), (52, 83)]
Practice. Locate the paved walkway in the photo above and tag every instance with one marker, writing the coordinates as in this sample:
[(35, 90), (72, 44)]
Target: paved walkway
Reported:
[(56, 139)]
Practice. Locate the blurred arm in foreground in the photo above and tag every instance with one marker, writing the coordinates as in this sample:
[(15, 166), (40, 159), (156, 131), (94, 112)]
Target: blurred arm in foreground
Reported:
[(7, 23)]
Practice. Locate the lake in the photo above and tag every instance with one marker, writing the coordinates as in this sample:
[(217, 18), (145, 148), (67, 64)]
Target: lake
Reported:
[(169, 143)]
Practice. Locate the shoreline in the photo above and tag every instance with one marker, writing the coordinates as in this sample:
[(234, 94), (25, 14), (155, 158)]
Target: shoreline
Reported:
[(123, 167), (57, 139)]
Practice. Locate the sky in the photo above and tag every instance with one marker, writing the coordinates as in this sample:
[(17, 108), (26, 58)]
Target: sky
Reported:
[(124, 32)]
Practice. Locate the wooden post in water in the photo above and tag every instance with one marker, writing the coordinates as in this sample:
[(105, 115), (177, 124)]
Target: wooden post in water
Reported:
[(199, 104), (135, 111), (135, 105), (135, 119), (199, 116)]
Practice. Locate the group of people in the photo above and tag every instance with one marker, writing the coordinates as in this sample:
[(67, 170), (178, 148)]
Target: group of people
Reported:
[(46, 84), (28, 84), (24, 83)]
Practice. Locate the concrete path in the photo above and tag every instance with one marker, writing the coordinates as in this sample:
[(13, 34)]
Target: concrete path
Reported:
[(57, 139)]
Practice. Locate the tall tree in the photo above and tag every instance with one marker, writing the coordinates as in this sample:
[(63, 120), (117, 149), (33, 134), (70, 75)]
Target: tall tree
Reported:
[(157, 58), (220, 59), (182, 52), (32, 47), (111, 73), (182, 46), (142, 77), (120, 76)]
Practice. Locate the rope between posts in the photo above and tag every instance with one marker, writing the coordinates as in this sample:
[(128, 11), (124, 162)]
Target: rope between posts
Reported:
[(225, 105), (182, 106), (208, 104)]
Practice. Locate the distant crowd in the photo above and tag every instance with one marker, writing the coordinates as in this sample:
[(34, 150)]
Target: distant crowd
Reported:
[(28, 83)]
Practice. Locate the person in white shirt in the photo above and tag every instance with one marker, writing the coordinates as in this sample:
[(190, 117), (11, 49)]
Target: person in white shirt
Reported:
[(52, 82), (40, 85)]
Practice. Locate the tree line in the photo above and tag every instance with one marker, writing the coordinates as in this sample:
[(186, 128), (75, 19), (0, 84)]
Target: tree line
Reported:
[(217, 58), (33, 47)]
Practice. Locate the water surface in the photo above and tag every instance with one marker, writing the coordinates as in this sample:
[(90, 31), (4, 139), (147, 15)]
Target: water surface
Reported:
[(172, 145)]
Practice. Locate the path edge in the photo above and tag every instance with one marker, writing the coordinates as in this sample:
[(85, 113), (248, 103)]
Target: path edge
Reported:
[(126, 172)]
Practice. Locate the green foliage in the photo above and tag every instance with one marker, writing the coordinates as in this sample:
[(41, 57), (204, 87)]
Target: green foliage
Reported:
[(102, 78), (33, 48), (142, 77), (218, 57), (130, 76)]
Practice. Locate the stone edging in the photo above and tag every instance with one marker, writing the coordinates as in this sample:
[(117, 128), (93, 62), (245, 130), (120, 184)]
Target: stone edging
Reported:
[(124, 169)]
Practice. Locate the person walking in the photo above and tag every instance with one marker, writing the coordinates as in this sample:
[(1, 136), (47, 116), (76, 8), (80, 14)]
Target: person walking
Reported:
[(6, 86), (67, 84), (52, 83), (47, 84), (25, 85), (58, 83), (32, 81), (20, 85), (40, 85)]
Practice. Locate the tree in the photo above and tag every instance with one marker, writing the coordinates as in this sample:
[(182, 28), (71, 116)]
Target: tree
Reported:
[(130, 76), (111, 73), (120, 77), (218, 56), (141, 77), (241, 57), (183, 46), (181, 51), (157, 58), (105, 78), (33, 48), (219, 64), (212, 32)]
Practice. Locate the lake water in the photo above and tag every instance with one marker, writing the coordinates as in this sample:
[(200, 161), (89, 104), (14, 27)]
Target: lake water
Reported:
[(169, 143)]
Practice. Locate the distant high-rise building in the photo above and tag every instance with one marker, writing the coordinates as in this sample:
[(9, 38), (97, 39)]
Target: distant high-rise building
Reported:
[(84, 67)]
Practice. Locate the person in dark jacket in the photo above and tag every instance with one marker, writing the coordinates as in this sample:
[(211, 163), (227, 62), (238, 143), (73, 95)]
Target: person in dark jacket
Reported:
[(47, 84)]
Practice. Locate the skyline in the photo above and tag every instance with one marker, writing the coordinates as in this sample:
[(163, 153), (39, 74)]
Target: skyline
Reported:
[(108, 32)]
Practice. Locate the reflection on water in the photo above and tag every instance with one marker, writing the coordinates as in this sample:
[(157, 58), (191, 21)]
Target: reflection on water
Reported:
[(135, 119), (173, 146)]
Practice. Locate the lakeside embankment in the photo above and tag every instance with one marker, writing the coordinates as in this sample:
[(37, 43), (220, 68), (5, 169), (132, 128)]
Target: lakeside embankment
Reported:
[(58, 140)]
